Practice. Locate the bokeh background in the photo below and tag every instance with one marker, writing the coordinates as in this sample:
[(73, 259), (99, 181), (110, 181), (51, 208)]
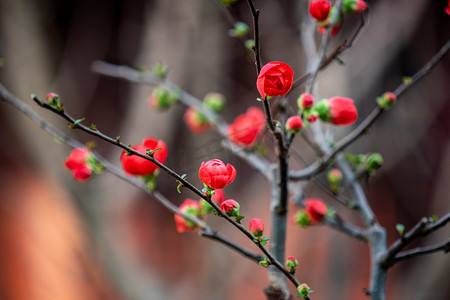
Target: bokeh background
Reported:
[(104, 239)]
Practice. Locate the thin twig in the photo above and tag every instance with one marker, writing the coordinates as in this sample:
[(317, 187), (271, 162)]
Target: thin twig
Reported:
[(256, 48), (444, 246), (422, 228), (341, 48), (323, 47)]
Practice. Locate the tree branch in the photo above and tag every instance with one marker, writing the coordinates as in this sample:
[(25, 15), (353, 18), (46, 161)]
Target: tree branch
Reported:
[(444, 246)]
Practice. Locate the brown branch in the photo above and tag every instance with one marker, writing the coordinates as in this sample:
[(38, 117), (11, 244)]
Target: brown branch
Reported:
[(256, 48), (365, 125)]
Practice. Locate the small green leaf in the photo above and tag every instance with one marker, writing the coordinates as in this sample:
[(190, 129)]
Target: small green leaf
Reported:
[(263, 243), (259, 99), (204, 190), (239, 218), (406, 80), (183, 176), (433, 218), (400, 229), (265, 238), (249, 44), (78, 121), (93, 127)]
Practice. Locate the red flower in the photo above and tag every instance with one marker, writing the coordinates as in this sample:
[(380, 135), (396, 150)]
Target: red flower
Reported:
[(337, 110), (215, 174), (305, 101), (196, 121), (447, 9), (245, 129), (275, 79), (319, 10), (77, 162), (191, 208), (135, 165), (342, 110), (294, 124), (256, 227), (231, 207), (315, 209)]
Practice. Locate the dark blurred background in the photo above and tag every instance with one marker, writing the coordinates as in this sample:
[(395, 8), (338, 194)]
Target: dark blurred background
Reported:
[(104, 239)]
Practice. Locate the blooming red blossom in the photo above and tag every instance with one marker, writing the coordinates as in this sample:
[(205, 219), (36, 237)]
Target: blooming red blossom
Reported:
[(191, 208), (315, 209), (337, 110), (196, 121), (294, 124), (319, 10), (256, 227), (135, 165), (215, 174), (275, 79), (77, 162), (354, 7), (245, 129), (231, 207)]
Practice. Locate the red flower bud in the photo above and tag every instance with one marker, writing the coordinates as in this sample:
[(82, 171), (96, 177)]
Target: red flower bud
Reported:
[(256, 227), (291, 263), (196, 121), (77, 162), (135, 165), (447, 9), (245, 129), (353, 7), (312, 117), (275, 79), (386, 100), (315, 209), (305, 101), (337, 110), (191, 208), (214, 101), (294, 124), (215, 174), (161, 98), (319, 10), (334, 177), (231, 207)]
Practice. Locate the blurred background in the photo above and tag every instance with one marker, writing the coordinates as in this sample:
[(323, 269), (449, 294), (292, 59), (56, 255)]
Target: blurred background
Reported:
[(104, 239)]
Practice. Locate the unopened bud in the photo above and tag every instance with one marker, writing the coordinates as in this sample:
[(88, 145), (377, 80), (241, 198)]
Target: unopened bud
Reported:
[(303, 290), (294, 124), (305, 101), (386, 100), (160, 70), (291, 263), (354, 7), (214, 101), (256, 227), (375, 161), (161, 98), (230, 207), (334, 177), (240, 29)]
